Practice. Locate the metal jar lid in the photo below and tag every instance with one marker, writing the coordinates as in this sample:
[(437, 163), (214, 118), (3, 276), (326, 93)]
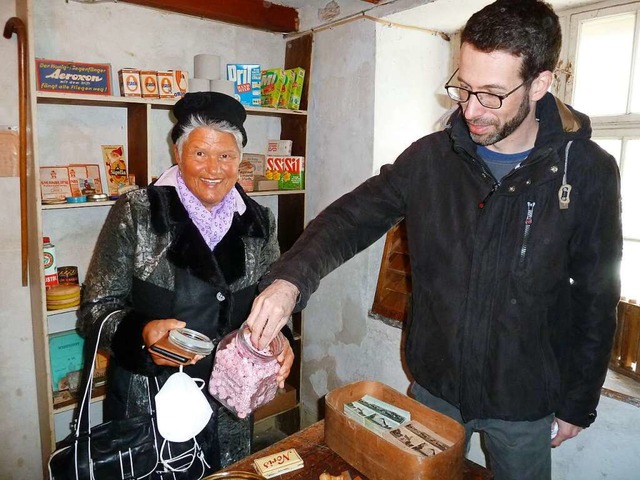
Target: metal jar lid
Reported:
[(97, 197), (191, 341)]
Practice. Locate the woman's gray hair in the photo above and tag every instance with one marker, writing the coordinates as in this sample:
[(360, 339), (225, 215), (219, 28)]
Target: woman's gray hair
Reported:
[(197, 121)]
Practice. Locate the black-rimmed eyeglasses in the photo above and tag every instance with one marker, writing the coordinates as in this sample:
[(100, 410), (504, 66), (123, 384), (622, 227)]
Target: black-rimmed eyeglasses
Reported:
[(486, 99)]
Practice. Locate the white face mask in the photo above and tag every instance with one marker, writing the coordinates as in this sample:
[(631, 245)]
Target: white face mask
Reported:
[(181, 408)]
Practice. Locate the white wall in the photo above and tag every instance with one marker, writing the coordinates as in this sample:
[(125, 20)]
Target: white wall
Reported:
[(372, 95)]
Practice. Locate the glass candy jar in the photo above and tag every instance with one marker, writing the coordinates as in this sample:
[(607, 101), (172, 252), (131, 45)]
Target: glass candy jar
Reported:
[(244, 378)]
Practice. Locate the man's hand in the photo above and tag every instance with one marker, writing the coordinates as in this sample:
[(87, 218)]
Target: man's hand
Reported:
[(286, 360), (270, 312), (565, 432)]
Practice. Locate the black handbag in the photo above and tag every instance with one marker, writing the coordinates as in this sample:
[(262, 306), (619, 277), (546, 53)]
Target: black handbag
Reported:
[(119, 449)]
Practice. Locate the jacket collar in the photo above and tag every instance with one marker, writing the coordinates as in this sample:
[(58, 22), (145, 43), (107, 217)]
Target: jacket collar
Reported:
[(188, 249)]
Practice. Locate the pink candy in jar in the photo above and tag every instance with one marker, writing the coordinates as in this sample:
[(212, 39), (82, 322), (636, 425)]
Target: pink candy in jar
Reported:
[(244, 378)]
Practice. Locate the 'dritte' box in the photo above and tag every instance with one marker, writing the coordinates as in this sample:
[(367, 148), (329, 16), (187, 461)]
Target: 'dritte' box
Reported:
[(246, 79)]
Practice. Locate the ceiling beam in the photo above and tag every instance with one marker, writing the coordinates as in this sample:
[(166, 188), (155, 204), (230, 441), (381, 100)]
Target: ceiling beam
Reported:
[(259, 14)]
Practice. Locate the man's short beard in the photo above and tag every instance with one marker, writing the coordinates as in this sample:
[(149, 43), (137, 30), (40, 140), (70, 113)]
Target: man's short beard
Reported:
[(509, 127)]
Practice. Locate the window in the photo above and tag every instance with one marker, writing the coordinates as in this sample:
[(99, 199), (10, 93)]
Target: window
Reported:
[(602, 79)]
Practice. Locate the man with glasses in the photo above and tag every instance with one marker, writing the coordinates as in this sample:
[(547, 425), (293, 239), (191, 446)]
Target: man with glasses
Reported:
[(513, 223)]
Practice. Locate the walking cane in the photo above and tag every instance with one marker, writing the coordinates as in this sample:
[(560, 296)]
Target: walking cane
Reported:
[(14, 24)]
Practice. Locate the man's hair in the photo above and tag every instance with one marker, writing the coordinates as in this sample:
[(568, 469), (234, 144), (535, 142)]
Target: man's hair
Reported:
[(529, 29)]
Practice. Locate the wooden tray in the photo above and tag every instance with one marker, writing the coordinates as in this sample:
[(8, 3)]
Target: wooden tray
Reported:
[(379, 459)]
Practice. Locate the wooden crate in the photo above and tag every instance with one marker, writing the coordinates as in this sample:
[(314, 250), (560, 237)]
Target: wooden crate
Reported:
[(379, 459)]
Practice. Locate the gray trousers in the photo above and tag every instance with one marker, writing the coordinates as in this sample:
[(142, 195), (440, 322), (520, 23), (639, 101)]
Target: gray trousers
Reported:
[(517, 450)]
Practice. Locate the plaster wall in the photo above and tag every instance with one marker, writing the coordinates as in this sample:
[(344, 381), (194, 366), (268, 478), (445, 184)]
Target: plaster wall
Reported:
[(19, 457), (370, 99)]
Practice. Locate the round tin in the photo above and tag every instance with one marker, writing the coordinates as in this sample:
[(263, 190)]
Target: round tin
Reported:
[(68, 275), (97, 197), (80, 199), (191, 341), (235, 476)]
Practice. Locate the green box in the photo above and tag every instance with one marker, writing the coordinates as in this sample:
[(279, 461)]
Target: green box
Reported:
[(271, 82), (66, 354), (285, 91), (287, 170), (296, 88)]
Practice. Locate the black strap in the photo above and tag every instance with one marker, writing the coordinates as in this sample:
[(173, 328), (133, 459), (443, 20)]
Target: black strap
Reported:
[(81, 425)]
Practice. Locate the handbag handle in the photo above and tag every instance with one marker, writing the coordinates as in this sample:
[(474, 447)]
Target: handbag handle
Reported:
[(82, 424)]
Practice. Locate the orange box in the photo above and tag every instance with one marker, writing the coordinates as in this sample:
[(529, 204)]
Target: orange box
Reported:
[(130, 82), (179, 82), (165, 83), (378, 458), (149, 84)]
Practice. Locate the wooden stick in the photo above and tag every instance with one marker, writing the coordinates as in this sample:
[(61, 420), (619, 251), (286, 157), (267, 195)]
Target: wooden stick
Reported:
[(15, 24)]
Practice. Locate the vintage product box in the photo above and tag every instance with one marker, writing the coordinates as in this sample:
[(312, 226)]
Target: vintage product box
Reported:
[(258, 161), (179, 82), (285, 91), (245, 176), (66, 355), (149, 84), (414, 437), (296, 88), (279, 147), (84, 179), (384, 460), (278, 463), (130, 82), (376, 415), (73, 77), (271, 85), (115, 165), (287, 170), (54, 184), (246, 79), (165, 83)]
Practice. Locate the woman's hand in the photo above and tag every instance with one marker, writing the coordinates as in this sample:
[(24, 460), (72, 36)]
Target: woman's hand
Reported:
[(154, 331), (286, 360)]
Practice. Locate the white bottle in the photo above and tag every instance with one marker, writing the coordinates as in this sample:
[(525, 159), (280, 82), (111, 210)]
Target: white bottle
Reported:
[(49, 261)]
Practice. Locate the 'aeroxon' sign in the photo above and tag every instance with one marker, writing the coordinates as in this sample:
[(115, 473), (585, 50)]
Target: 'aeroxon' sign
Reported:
[(73, 77)]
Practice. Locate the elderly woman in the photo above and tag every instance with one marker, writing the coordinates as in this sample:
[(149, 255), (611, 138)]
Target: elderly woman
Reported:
[(187, 250)]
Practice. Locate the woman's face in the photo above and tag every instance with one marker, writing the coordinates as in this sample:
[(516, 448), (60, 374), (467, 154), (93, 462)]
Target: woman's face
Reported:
[(209, 164)]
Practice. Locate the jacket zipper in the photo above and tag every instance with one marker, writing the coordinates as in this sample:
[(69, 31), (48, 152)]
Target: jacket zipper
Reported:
[(527, 230)]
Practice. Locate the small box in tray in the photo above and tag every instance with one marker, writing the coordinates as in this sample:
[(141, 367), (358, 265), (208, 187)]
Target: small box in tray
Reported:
[(378, 458)]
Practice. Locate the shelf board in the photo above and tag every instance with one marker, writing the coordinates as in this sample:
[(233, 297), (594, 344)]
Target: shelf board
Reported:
[(97, 395), (60, 206), (51, 313), (275, 192), (57, 98), (285, 400)]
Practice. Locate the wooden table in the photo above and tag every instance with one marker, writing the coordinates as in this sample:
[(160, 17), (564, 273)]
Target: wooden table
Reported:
[(318, 458)]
